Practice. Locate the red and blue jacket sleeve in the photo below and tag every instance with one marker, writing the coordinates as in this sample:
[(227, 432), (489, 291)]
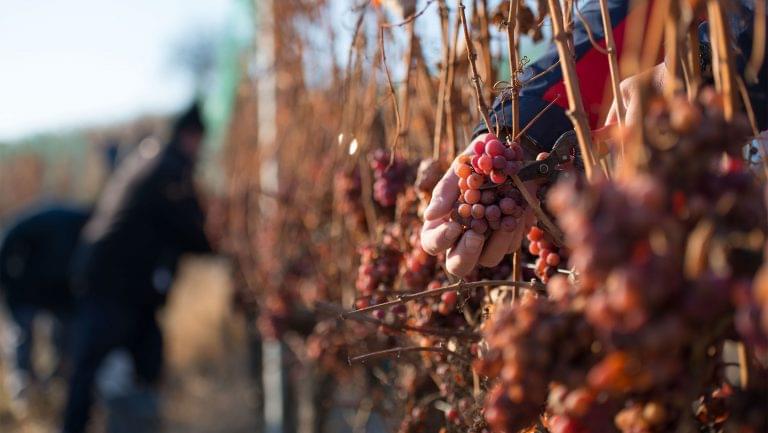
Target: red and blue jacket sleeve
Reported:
[(591, 67)]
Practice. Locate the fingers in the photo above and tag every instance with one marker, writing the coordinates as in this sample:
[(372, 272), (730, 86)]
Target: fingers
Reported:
[(439, 235), (443, 196), (497, 246), (612, 116), (463, 257)]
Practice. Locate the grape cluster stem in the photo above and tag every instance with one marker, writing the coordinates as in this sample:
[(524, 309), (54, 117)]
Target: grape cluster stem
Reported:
[(460, 286)]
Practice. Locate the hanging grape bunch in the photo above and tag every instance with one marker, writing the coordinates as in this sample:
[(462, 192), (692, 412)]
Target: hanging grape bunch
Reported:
[(348, 188), (390, 180), (487, 200), (549, 256)]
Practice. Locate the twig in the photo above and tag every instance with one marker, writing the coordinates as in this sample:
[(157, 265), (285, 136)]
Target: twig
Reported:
[(458, 287), (613, 64), (588, 29), (536, 117), (392, 93), (441, 94), (336, 310), (653, 35), (398, 350), (672, 82), (722, 61), (411, 18), (694, 65), (576, 113), (549, 69), (485, 39), (405, 100), (557, 235), (512, 15), (741, 350), (450, 89), (472, 57), (758, 44)]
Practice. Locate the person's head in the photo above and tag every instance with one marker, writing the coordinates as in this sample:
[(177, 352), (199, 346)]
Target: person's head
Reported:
[(188, 131)]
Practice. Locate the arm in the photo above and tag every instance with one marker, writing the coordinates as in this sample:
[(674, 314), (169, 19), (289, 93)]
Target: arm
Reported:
[(181, 215)]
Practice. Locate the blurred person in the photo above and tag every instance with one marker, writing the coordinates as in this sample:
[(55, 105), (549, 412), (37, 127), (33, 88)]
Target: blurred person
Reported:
[(147, 216), (466, 250), (35, 253)]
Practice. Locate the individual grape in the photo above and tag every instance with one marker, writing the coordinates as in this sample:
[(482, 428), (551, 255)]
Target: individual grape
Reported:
[(463, 186), (472, 196), (479, 147), (499, 162), (479, 226), (463, 170), (478, 211), (508, 224), (476, 164), (535, 234), (507, 205), (488, 197), (465, 210), (498, 176), (485, 163), (492, 213), (475, 181), (494, 148)]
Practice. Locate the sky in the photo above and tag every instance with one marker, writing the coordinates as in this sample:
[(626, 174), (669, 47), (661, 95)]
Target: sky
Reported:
[(71, 63)]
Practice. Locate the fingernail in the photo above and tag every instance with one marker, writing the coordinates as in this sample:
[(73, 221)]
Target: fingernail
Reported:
[(474, 242), (452, 232)]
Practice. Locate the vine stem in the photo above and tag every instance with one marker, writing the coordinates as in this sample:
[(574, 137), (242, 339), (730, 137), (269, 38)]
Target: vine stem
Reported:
[(576, 105), (450, 90), (441, 94), (758, 44), (482, 106), (411, 18), (398, 120), (458, 287), (512, 14), (613, 64), (534, 204), (722, 61), (398, 350), (334, 309)]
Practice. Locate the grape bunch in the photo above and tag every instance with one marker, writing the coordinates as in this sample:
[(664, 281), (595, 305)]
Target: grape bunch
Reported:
[(488, 201), (530, 346), (390, 180), (348, 190), (420, 267), (549, 256)]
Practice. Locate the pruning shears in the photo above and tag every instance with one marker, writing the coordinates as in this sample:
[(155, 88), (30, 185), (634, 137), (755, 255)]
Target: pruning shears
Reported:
[(564, 151)]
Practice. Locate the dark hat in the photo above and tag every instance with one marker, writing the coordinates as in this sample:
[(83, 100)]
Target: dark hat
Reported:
[(190, 119)]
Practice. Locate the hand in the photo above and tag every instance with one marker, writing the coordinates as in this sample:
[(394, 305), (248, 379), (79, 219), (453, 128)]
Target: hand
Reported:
[(630, 88), (465, 251)]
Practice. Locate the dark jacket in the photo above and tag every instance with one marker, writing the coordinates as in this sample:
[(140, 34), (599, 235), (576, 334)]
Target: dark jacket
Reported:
[(147, 209), (594, 76), (35, 254)]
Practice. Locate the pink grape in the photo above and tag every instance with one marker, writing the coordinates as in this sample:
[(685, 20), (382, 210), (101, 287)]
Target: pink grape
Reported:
[(508, 223), (485, 163)]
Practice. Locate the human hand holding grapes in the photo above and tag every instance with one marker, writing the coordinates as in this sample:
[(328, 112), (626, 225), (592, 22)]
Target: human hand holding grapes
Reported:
[(493, 206)]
